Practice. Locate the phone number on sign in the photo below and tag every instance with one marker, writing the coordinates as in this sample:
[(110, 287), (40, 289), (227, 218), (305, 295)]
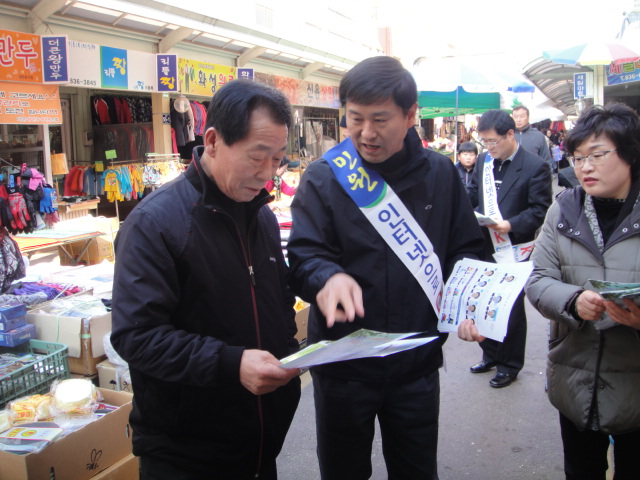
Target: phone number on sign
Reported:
[(78, 81)]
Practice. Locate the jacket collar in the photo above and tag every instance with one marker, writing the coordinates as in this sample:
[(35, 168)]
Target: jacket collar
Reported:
[(572, 222), (415, 166), (210, 195)]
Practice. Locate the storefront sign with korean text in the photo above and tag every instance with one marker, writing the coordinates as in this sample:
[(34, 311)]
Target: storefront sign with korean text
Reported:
[(20, 57), (55, 60), (34, 104), (84, 64), (202, 78), (623, 73), (301, 92), (167, 72), (114, 68)]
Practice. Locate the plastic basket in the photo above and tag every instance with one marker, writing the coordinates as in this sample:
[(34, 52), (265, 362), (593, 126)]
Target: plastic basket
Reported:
[(36, 377)]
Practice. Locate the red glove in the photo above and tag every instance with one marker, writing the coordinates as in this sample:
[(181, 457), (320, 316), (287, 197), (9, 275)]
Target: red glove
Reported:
[(19, 211)]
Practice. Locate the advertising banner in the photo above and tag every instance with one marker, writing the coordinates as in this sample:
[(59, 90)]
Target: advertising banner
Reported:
[(114, 68), (202, 78), (20, 57), (301, 92), (245, 73), (582, 85), (142, 71), (84, 64), (55, 59), (34, 104), (167, 72), (623, 73)]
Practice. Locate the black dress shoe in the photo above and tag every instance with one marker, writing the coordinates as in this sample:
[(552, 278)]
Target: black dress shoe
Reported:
[(482, 367), (501, 380)]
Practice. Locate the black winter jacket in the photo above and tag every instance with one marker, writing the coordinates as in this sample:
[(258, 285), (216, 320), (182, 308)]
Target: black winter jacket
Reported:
[(331, 235), (184, 309)]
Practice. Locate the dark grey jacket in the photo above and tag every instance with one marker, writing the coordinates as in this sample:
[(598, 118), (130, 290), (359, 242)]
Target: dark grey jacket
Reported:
[(588, 367), (535, 142)]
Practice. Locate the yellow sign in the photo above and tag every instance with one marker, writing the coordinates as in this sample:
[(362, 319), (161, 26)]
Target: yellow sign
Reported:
[(202, 78), (29, 103)]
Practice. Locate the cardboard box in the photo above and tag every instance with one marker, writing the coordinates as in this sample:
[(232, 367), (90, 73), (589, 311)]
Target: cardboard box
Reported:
[(302, 320), (109, 378), (81, 454), (126, 469), (83, 336), (17, 336), (100, 248)]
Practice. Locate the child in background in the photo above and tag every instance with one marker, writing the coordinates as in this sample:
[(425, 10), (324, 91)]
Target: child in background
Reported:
[(278, 183)]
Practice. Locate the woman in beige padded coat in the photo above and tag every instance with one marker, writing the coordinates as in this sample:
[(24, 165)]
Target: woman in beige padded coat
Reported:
[(593, 232)]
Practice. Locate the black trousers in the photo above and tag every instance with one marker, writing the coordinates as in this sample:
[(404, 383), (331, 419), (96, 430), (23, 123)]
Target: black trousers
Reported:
[(154, 469), (346, 411), (509, 354), (585, 453)]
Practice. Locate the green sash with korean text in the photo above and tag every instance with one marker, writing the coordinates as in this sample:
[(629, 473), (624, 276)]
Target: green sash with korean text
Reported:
[(389, 216)]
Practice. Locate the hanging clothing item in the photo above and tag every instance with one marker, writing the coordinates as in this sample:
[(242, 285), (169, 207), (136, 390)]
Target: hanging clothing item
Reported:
[(11, 262), (112, 185)]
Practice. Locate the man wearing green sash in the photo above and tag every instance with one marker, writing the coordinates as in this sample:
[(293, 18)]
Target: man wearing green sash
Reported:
[(378, 224)]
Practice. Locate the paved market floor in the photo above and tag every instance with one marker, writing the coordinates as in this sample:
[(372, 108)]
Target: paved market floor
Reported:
[(485, 433)]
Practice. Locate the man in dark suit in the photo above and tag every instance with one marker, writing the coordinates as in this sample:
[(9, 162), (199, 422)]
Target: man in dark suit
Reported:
[(520, 183)]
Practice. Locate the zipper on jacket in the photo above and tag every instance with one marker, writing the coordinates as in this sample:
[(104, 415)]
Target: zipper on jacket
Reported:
[(592, 423), (246, 252), (252, 275)]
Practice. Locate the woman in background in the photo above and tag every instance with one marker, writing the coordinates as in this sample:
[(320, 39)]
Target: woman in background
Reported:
[(593, 232)]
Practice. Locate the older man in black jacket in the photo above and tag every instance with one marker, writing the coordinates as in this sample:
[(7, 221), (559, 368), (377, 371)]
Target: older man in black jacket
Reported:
[(520, 183), (201, 310)]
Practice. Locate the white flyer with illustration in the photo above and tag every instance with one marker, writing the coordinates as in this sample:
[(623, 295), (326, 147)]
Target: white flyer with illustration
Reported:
[(484, 292), (360, 344)]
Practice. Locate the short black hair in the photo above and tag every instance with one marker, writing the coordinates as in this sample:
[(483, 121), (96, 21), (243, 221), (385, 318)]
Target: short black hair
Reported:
[(468, 147), (521, 107), (377, 79), (499, 120), (285, 161), (231, 107), (618, 122)]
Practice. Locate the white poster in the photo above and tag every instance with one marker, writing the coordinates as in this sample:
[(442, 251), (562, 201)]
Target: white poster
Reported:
[(84, 64), (142, 71)]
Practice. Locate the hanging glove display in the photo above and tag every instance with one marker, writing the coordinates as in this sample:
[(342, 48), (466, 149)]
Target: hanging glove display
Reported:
[(49, 205), (19, 211), (5, 212), (32, 201), (46, 203)]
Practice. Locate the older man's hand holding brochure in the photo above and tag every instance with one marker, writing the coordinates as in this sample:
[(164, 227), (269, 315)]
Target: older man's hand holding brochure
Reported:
[(360, 344)]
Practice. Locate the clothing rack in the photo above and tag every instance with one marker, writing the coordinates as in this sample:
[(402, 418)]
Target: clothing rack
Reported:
[(8, 162), (162, 157), (309, 142)]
